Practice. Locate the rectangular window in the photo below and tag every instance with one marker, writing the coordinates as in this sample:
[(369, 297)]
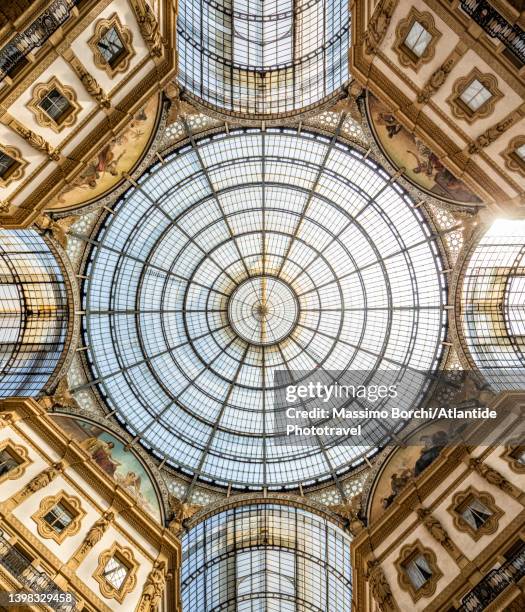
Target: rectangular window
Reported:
[(518, 454), (418, 571), (116, 572), (59, 517), (7, 165), (417, 39), (475, 513), (8, 461), (111, 47), (475, 95), (56, 106)]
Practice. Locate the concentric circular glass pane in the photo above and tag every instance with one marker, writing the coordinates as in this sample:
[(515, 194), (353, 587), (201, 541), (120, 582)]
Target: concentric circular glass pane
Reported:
[(249, 254), (263, 310)]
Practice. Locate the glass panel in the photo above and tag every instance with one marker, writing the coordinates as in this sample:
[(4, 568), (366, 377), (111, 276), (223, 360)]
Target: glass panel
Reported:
[(519, 454), (493, 313), (34, 313), (476, 514), (111, 46), (58, 518), (266, 557), (263, 57), (7, 165), (475, 95), (418, 39), (418, 571), (8, 461), (170, 349), (55, 105), (115, 572)]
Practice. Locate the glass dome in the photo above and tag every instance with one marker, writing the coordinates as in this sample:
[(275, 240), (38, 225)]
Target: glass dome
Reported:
[(263, 58), (246, 254), (268, 557)]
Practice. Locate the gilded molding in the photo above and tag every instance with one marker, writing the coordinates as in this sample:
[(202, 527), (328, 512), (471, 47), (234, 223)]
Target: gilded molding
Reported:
[(378, 25), (38, 482), (494, 478), (149, 27), (126, 37), (405, 55), (492, 134), (182, 511), (18, 169), (58, 230), (125, 555), (40, 91), (153, 588), (90, 83), (437, 531), (72, 505), (489, 527), (35, 140), (381, 591), (94, 535), (437, 79), (460, 110)]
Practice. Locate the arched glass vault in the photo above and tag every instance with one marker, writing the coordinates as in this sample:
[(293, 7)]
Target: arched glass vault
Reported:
[(34, 314), (263, 58), (267, 557), (493, 304), (241, 255)]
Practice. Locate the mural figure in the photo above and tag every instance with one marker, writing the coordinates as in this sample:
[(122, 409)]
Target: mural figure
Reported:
[(115, 159), (111, 456), (426, 171)]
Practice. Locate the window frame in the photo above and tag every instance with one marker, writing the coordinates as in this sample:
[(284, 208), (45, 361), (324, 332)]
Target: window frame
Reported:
[(460, 109), (17, 170), (102, 27), (406, 555), (460, 499), (514, 464), (126, 557), (512, 160), (406, 56), (20, 455), (73, 507), (41, 91)]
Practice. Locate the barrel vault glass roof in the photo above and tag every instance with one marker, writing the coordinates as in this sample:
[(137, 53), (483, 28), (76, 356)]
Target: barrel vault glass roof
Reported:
[(266, 557), (493, 304), (262, 58), (34, 317), (183, 347)]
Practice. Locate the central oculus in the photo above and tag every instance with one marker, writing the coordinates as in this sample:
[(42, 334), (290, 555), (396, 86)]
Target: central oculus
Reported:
[(263, 310)]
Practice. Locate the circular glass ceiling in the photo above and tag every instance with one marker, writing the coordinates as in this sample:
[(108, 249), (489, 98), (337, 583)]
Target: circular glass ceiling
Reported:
[(247, 254)]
